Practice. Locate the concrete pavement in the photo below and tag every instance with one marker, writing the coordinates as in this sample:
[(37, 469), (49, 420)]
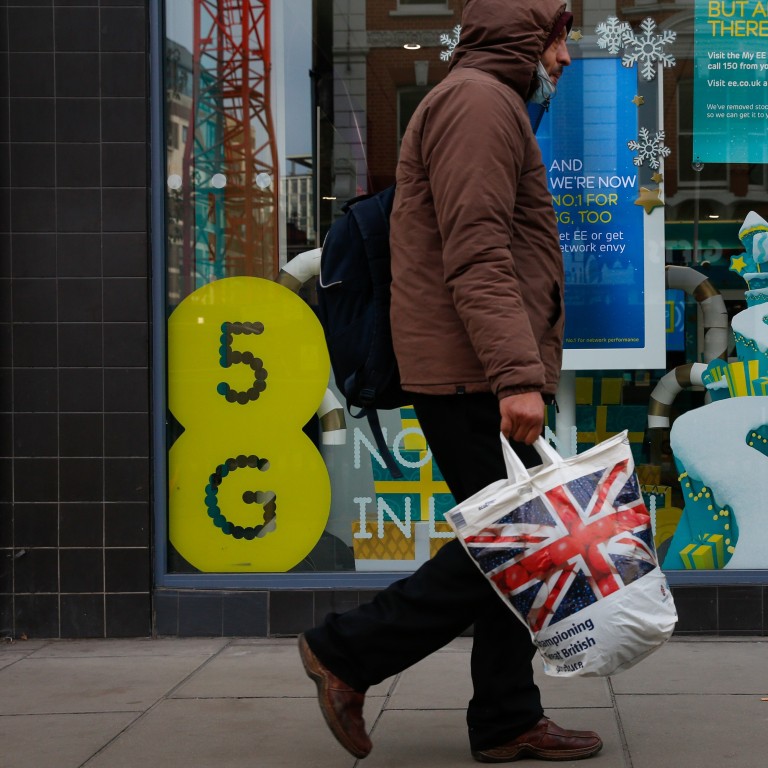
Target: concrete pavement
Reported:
[(199, 703)]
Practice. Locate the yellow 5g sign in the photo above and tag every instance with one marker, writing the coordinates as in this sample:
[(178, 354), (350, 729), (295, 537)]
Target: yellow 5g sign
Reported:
[(247, 368)]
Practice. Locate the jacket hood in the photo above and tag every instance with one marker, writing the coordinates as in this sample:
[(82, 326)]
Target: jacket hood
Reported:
[(505, 38)]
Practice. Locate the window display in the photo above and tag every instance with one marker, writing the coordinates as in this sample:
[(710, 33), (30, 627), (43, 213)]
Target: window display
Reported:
[(278, 113)]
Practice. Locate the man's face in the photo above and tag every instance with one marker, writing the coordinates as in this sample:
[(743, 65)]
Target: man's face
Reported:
[(556, 57)]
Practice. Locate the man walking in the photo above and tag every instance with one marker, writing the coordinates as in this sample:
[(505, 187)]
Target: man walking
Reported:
[(477, 322)]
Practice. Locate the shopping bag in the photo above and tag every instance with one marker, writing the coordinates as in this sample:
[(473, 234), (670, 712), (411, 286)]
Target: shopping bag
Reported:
[(568, 546)]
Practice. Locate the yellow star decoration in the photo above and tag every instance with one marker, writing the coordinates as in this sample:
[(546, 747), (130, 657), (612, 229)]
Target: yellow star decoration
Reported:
[(576, 35), (649, 199), (657, 178), (638, 101), (738, 265)]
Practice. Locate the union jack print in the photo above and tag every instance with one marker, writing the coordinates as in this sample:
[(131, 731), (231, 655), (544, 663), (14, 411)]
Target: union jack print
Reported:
[(574, 545)]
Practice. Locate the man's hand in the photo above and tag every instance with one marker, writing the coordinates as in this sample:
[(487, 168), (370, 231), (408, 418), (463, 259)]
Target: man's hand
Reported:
[(522, 417)]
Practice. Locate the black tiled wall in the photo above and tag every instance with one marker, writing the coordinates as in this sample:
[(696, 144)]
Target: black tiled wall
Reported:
[(74, 319), (702, 610)]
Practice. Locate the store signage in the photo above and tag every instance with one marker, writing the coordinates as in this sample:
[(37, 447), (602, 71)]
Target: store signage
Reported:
[(730, 119), (248, 491), (612, 246)]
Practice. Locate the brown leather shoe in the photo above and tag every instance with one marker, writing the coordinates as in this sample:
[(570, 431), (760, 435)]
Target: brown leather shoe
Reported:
[(545, 741), (342, 706)]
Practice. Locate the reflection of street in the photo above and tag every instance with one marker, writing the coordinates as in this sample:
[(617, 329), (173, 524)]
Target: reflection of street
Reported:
[(604, 310), (597, 271), (597, 257), (222, 159)]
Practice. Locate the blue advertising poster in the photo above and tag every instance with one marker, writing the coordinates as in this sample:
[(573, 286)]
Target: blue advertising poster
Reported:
[(730, 95), (613, 246), (595, 185)]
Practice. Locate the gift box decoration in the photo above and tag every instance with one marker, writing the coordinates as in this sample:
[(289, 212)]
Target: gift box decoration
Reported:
[(704, 519), (445, 534), (715, 379), (657, 496), (658, 501), (697, 557), (395, 546), (409, 497), (611, 390), (392, 545), (716, 542), (742, 378), (599, 390), (744, 375), (413, 437), (408, 525), (667, 520), (585, 394), (648, 474), (706, 554), (597, 423)]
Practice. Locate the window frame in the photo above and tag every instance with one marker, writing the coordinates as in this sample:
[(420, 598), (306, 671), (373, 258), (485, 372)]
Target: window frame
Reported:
[(358, 580)]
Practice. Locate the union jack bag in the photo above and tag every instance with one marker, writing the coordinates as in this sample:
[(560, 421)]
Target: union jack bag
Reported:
[(569, 548)]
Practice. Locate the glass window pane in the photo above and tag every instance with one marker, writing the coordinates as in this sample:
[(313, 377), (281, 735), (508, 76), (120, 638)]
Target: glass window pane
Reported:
[(275, 115)]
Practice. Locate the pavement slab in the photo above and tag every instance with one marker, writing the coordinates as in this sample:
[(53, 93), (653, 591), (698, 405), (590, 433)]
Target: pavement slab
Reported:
[(445, 676), (93, 684), (437, 738), (57, 741), (126, 648), (257, 671), (570, 692), (236, 733), (202, 702), (6, 659), (723, 667), (441, 680), (695, 731)]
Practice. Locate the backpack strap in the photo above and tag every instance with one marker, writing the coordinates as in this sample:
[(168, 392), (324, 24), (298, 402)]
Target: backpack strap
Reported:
[(373, 421), (374, 230), (378, 263), (373, 225)]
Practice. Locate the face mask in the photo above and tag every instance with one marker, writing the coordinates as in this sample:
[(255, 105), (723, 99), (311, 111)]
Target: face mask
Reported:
[(546, 89)]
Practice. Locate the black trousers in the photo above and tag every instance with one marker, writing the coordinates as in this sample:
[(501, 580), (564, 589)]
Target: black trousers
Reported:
[(421, 613)]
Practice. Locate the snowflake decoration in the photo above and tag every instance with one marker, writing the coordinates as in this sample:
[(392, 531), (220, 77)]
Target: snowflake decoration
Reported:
[(611, 34), (650, 148), (450, 41), (648, 48)]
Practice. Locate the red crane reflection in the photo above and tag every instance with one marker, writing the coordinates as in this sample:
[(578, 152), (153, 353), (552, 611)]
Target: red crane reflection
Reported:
[(230, 160)]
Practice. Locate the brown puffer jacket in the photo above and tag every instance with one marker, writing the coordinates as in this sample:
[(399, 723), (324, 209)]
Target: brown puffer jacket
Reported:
[(477, 290)]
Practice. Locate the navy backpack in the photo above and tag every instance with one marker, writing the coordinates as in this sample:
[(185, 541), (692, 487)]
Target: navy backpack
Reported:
[(353, 306)]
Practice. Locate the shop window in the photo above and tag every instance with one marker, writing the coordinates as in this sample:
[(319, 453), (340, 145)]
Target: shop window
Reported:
[(249, 192)]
